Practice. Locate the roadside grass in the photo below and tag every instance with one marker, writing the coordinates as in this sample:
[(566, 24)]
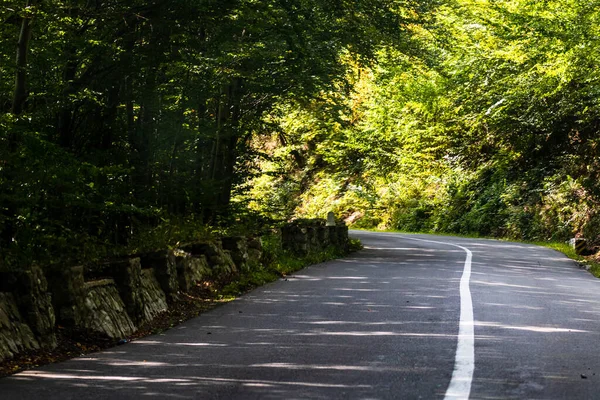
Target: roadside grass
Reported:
[(590, 262)]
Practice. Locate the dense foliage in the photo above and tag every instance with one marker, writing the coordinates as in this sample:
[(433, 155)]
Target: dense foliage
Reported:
[(125, 123), (491, 128)]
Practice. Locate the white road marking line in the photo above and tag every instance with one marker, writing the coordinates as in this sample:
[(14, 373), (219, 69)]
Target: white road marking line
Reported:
[(464, 362)]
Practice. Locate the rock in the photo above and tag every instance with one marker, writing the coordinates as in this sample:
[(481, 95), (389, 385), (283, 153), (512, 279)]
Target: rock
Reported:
[(35, 304), (343, 239), (164, 264), (330, 219), (104, 310), (127, 274), (98, 283), (332, 234), (220, 261), (255, 252), (68, 294), (225, 269), (294, 238), (208, 249), (314, 244), (238, 246), (191, 270), (15, 335), (323, 237), (153, 298)]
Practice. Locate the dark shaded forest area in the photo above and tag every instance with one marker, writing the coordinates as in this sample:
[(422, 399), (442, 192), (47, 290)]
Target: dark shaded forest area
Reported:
[(131, 125), (128, 124)]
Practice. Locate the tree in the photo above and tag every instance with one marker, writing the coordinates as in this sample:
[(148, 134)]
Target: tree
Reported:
[(133, 113)]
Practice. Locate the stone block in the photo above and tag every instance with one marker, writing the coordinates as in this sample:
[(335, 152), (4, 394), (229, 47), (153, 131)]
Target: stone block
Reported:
[(164, 264), (220, 261), (208, 249), (35, 304), (191, 270), (332, 233), (154, 300), (255, 251), (127, 274), (294, 238), (303, 237), (323, 236), (238, 246), (255, 243), (343, 241), (104, 310), (15, 335), (225, 269), (68, 294), (312, 237), (330, 219)]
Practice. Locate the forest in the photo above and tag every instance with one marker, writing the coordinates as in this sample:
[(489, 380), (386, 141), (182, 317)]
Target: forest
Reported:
[(131, 125)]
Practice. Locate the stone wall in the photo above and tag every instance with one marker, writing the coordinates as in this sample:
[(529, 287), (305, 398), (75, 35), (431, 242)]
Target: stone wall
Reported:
[(115, 297), (95, 305), (307, 236)]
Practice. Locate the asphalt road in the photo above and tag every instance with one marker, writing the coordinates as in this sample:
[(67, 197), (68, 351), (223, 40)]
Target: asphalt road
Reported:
[(381, 324)]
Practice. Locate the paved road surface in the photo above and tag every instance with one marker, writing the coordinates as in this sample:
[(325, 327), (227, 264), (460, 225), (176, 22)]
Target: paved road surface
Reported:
[(381, 324)]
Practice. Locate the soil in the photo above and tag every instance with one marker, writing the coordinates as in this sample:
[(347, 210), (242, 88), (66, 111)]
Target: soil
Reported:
[(75, 342)]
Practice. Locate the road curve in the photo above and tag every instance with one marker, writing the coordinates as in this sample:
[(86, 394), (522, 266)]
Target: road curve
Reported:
[(381, 324)]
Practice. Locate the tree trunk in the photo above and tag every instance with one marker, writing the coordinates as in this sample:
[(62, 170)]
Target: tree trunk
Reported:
[(20, 93), (8, 231), (225, 155), (65, 116), (229, 153)]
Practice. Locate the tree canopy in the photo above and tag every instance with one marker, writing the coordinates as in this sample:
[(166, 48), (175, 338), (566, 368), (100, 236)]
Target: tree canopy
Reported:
[(125, 125), (490, 128), (121, 117)]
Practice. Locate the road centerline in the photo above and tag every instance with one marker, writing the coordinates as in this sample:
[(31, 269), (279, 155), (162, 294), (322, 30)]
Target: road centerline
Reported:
[(464, 362)]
